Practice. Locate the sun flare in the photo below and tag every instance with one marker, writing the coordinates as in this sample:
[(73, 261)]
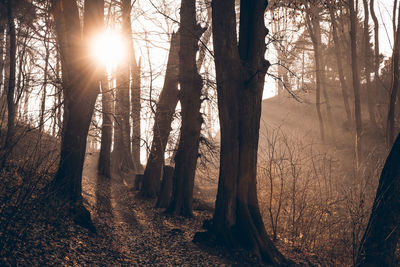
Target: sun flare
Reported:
[(108, 48)]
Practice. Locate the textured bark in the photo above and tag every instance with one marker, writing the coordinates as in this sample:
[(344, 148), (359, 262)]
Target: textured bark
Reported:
[(162, 122), (338, 55), (240, 73), (394, 85), (80, 88), (191, 85), (164, 197), (104, 165), (11, 106), (356, 80), (135, 85), (378, 245), (2, 51), (122, 160), (367, 67)]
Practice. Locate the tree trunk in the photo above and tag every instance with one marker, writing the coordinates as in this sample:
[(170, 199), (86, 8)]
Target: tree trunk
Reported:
[(162, 123), (44, 86), (356, 80), (317, 61), (104, 165), (122, 160), (394, 86), (135, 86), (2, 51), (338, 54), (376, 46), (367, 66), (164, 197), (10, 86), (80, 86), (191, 85), (240, 73), (378, 245)]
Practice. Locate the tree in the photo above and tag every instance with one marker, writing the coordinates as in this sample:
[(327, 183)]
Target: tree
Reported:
[(191, 84), (80, 88), (240, 70), (104, 165), (11, 106), (367, 64), (356, 79), (162, 122), (314, 29), (394, 83), (378, 245), (338, 54), (122, 160)]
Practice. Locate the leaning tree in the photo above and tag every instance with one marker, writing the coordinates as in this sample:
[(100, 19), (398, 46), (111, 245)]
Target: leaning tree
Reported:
[(81, 78), (240, 72)]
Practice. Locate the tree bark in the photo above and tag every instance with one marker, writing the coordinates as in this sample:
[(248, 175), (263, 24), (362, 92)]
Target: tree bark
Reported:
[(378, 245), (367, 65), (394, 85), (317, 61), (135, 85), (104, 165), (80, 86), (376, 45), (240, 73), (11, 107), (162, 123), (164, 197), (2, 52), (122, 160), (191, 85), (356, 80), (338, 54), (44, 86)]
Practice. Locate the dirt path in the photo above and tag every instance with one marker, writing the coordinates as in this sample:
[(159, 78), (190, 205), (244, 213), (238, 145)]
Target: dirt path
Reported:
[(139, 234)]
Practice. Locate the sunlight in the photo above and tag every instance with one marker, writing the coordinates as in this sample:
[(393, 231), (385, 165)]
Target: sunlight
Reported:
[(108, 48)]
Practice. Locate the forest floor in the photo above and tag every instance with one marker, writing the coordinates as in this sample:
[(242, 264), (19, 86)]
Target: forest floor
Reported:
[(130, 232)]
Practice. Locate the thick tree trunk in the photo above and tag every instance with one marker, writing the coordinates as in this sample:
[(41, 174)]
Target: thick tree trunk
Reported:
[(162, 123), (104, 165), (121, 156), (135, 113), (240, 72), (164, 197), (338, 54), (135, 85), (378, 245), (122, 160), (367, 65), (191, 85), (80, 86), (394, 86), (356, 80), (11, 107)]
